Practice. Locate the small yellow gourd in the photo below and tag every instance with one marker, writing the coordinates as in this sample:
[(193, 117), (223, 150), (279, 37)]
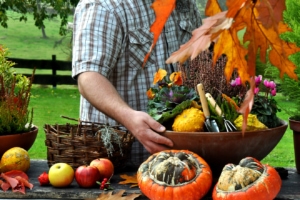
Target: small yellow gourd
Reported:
[(253, 124), (190, 120)]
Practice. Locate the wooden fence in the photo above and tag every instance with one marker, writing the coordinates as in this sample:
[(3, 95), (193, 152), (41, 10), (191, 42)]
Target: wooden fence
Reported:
[(47, 79)]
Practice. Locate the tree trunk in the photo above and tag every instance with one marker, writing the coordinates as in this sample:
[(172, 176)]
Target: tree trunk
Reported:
[(38, 5)]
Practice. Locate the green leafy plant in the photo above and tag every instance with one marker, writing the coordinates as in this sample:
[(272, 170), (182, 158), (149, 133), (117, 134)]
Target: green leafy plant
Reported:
[(169, 97), (264, 105), (15, 95)]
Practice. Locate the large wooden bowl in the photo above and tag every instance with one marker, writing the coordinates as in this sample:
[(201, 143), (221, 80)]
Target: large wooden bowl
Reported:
[(219, 149)]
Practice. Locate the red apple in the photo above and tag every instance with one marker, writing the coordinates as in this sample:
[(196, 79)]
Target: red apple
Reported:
[(87, 176), (105, 167), (61, 175)]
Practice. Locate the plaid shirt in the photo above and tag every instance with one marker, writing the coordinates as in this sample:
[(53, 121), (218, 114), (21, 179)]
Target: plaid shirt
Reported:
[(112, 37)]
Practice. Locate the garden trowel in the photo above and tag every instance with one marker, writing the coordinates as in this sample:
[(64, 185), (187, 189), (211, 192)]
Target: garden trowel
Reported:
[(211, 125)]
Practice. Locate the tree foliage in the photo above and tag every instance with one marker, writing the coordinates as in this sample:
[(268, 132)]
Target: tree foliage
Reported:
[(41, 10)]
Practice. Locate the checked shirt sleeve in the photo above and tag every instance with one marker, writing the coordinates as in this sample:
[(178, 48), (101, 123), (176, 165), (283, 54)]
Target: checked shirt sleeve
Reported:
[(97, 39)]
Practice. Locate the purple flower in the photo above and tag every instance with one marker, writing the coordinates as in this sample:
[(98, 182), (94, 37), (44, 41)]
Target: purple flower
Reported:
[(238, 81), (273, 92), (272, 85), (267, 83), (256, 90), (258, 80)]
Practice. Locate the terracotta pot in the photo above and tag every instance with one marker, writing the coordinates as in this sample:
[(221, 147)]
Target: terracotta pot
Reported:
[(219, 149), (24, 140), (295, 126)]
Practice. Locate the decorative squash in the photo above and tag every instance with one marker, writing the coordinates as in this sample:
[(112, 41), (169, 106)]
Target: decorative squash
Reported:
[(248, 180), (253, 123), (190, 120), (174, 174)]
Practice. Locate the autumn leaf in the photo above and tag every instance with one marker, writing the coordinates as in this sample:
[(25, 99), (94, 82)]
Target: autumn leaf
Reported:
[(234, 6), (247, 104), (212, 7), (162, 9), (201, 38), (117, 196), (229, 44), (129, 180), (272, 8), (262, 28)]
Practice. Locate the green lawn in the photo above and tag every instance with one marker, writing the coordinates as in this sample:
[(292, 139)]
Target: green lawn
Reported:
[(25, 40), (49, 105)]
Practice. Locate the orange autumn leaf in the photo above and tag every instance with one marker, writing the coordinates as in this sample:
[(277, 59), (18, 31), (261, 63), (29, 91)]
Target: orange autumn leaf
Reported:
[(261, 21), (159, 75), (117, 196), (201, 38), (234, 6), (176, 78), (228, 44), (129, 180), (162, 9), (265, 10), (212, 8), (247, 104)]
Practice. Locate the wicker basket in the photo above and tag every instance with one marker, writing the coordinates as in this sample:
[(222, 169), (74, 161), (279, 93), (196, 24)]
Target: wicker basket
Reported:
[(79, 144)]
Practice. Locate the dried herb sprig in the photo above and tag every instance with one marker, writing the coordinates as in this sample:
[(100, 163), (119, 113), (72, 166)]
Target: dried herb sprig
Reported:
[(108, 137)]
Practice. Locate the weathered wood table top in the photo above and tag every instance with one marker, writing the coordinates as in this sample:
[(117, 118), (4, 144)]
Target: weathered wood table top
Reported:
[(290, 187)]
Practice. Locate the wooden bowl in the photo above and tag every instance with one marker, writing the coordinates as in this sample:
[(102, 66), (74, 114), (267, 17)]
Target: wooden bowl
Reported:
[(221, 148)]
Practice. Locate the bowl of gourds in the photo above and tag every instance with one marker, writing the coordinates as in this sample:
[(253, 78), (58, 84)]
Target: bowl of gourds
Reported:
[(211, 126), (221, 148)]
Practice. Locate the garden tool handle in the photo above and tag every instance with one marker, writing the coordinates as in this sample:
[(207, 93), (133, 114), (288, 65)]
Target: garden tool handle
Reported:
[(213, 102), (203, 100)]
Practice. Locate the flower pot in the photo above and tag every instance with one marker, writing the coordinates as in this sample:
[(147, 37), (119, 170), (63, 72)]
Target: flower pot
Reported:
[(221, 148), (295, 126), (24, 140)]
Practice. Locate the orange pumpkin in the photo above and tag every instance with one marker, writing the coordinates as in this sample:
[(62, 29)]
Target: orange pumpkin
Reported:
[(174, 174), (248, 180)]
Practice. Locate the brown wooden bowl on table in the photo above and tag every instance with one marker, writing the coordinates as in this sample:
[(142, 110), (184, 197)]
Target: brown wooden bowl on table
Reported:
[(221, 148)]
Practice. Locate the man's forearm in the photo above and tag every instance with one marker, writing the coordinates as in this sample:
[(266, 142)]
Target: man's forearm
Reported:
[(102, 95)]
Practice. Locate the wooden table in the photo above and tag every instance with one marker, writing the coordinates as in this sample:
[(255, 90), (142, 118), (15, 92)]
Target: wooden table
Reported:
[(290, 187)]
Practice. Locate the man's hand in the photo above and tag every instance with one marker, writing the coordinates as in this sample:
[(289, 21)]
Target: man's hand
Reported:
[(146, 130), (101, 94)]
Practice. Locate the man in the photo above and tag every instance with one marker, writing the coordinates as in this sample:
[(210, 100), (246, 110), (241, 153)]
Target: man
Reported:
[(110, 40)]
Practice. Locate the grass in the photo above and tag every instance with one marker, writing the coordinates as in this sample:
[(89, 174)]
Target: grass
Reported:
[(25, 40), (49, 105), (283, 154)]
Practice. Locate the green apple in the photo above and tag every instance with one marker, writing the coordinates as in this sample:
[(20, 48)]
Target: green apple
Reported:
[(61, 175)]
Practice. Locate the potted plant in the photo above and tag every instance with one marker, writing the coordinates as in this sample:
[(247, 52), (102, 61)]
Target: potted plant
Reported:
[(16, 127)]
